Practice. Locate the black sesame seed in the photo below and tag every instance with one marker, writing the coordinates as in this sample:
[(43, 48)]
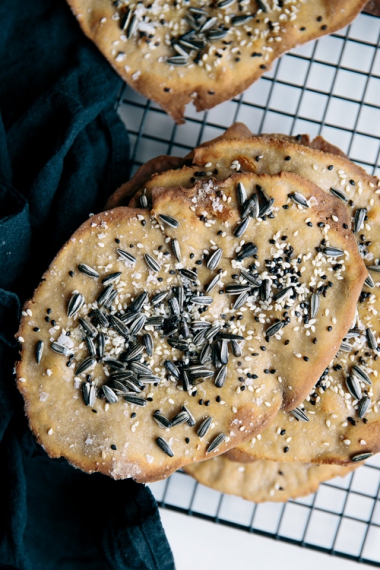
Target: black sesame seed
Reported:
[(47, 319), (286, 342), (36, 329), (200, 402), (329, 328), (283, 432), (133, 415), (71, 273), (315, 340), (117, 240), (187, 440), (306, 358), (113, 446), (286, 449), (287, 158)]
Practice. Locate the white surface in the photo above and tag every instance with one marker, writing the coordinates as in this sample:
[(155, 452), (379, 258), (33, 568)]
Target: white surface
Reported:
[(201, 545)]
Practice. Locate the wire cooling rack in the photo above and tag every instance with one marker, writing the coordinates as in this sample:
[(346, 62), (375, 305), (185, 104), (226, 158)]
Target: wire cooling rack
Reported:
[(329, 87)]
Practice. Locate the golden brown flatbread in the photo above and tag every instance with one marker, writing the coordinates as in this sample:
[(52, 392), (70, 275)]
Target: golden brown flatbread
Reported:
[(177, 53), (82, 334), (263, 481)]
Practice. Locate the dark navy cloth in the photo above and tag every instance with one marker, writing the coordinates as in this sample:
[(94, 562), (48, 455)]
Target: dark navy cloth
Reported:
[(63, 150)]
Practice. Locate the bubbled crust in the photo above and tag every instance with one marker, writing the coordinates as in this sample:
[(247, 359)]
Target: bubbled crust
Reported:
[(174, 87), (262, 480)]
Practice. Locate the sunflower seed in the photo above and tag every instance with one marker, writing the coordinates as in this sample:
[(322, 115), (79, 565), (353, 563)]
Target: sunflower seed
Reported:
[(353, 387), (371, 340), (352, 333), (214, 260), (118, 387), (122, 375), (184, 330), (241, 192), (236, 289), (88, 328), (105, 295), (224, 352), (248, 277), (189, 274), (110, 299), (75, 304), (174, 306), (178, 344), (195, 44), (247, 250), (359, 218), (300, 414), (200, 325), (221, 376), (265, 289), (180, 418), (132, 399), (216, 442), (100, 318), (206, 354), (133, 385), (345, 347), (190, 420), (199, 338), (118, 325), (161, 420), (152, 263), (143, 200), (273, 329), (283, 294), (339, 194), (225, 3), (149, 379), (185, 381), (139, 302), (240, 229), (314, 305), (88, 392), (361, 456), (201, 300), (172, 369), (109, 394), (299, 199), (240, 301), (39, 350), (90, 346), (140, 368), (125, 20), (155, 322), (148, 342), (137, 325), (369, 282), (192, 23), (240, 20), (59, 348), (250, 207), (135, 351), (87, 270), (114, 364), (263, 5), (361, 375), (169, 220), (375, 268), (265, 208), (236, 348), (210, 23), (363, 406), (129, 317), (131, 28), (111, 278), (126, 256), (229, 336), (85, 365), (204, 427), (212, 331), (333, 251), (164, 446), (176, 249), (212, 283), (101, 339)]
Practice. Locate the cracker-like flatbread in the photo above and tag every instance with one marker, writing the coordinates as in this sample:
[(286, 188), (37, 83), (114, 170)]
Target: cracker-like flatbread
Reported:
[(120, 439), (335, 432), (263, 481), (139, 40)]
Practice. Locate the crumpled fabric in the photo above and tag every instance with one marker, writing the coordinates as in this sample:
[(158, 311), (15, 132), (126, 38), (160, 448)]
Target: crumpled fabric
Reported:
[(63, 150)]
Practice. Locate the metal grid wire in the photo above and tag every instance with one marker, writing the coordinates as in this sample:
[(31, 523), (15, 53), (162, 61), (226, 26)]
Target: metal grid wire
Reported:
[(329, 87)]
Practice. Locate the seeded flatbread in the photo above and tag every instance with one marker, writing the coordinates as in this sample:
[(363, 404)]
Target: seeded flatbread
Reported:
[(335, 433), (183, 52), (263, 481), (117, 442)]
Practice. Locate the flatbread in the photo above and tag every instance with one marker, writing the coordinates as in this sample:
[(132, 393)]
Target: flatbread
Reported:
[(114, 440), (334, 433), (263, 481), (138, 40)]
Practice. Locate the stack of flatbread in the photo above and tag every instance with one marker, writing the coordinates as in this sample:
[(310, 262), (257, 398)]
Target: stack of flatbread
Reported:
[(220, 315)]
